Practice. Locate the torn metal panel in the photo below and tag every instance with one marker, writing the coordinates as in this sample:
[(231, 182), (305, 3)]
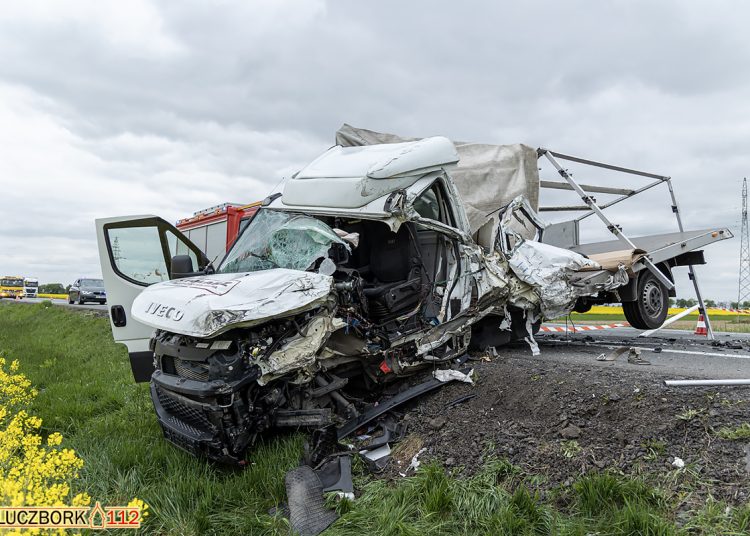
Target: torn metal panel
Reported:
[(547, 268), (300, 351), (518, 222)]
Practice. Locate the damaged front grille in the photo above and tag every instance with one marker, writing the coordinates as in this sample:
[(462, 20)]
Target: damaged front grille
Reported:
[(181, 409), (200, 425)]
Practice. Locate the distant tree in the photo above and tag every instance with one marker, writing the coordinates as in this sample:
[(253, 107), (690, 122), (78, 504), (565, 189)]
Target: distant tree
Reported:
[(51, 288), (681, 302), (672, 302), (709, 303), (745, 305)]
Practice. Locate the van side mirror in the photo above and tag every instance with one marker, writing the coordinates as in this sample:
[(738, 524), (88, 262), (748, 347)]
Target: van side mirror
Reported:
[(182, 266)]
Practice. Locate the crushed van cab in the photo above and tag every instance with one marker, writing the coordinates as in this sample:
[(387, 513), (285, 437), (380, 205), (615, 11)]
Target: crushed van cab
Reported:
[(373, 262)]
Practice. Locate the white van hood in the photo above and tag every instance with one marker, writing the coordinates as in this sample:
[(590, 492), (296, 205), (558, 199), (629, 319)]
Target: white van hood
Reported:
[(206, 306)]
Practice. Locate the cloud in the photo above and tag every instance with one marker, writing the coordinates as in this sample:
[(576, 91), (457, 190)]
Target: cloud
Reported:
[(111, 108)]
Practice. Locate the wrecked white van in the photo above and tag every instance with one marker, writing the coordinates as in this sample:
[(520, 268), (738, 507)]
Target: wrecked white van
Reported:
[(374, 261)]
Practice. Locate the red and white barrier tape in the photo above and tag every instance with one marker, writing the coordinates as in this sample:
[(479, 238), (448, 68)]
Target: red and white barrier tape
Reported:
[(571, 329), (744, 311)]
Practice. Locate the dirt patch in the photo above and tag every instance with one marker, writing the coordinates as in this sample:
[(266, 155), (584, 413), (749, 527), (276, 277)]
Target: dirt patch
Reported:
[(559, 420)]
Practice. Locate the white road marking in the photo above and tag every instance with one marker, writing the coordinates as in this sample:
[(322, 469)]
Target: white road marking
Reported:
[(688, 352)]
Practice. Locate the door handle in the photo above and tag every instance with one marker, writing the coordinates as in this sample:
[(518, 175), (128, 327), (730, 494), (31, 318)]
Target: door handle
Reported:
[(117, 312)]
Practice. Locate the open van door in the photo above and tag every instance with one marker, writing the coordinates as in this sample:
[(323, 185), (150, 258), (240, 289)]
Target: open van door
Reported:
[(135, 252)]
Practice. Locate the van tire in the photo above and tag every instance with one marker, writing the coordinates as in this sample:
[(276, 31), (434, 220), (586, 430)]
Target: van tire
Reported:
[(650, 308)]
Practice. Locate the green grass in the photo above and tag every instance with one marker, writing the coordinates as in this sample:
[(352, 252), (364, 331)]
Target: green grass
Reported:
[(86, 392), (742, 432)]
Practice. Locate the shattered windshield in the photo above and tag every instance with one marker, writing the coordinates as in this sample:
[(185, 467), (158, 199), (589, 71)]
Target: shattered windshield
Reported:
[(275, 239)]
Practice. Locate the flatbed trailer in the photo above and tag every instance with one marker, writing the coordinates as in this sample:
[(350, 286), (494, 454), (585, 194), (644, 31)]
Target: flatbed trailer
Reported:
[(684, 248), (655, 255)]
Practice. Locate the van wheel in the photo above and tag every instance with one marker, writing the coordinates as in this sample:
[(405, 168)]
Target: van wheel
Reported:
[(650, 308)]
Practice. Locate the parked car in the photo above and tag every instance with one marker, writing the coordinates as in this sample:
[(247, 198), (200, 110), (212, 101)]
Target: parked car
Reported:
[(87, 290)]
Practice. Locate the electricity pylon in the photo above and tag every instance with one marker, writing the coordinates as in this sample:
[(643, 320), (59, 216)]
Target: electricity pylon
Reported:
[(743, 293)]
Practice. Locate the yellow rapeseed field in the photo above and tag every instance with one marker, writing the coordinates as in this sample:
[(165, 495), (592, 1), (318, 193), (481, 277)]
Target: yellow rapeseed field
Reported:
[(34, 471)]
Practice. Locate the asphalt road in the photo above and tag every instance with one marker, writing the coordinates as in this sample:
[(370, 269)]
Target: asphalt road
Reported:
[(672, 354), (65, 303)]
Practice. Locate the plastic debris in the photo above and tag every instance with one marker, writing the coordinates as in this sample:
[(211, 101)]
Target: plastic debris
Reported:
[(377, 453), (634, 355), (448, 375), (678, 462), (415, 463)]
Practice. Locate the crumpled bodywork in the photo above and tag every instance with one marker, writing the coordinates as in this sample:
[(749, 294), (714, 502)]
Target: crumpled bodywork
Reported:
[(315, 306), (299, 353), (207, 306), (557, 276), (548, 269)]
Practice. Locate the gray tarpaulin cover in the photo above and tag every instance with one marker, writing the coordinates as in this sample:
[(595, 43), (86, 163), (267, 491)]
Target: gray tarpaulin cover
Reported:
[(488, 177)]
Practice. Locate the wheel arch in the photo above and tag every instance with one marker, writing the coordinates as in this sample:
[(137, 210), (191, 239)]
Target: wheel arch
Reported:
[(629, 292)]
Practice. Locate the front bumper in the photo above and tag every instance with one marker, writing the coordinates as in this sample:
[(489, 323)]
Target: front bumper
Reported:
[(204, 418)]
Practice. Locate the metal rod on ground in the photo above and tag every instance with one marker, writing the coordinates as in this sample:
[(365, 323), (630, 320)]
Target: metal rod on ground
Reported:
[(675, 318), (703, 383)]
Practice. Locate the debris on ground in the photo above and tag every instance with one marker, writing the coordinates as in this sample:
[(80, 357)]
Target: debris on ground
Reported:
[(534, 411), (448, 375), (308, 515), (634, 355), (414, 465)]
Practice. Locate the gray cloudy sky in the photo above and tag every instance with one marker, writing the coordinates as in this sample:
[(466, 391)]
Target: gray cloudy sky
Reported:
[(111, 107)]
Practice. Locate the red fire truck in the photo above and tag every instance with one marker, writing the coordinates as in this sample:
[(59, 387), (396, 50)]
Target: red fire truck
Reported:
[(214, 229)]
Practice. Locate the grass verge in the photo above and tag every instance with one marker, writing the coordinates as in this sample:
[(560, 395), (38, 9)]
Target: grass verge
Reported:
[(86, 392)]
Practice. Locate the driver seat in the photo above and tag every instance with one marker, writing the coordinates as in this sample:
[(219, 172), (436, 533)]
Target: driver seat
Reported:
[(395, 270)]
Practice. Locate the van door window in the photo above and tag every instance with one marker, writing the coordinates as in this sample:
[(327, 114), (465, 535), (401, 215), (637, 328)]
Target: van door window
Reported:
[(137, 254)]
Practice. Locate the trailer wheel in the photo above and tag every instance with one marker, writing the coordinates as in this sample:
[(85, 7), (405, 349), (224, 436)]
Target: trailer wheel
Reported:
[(650, 308)]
